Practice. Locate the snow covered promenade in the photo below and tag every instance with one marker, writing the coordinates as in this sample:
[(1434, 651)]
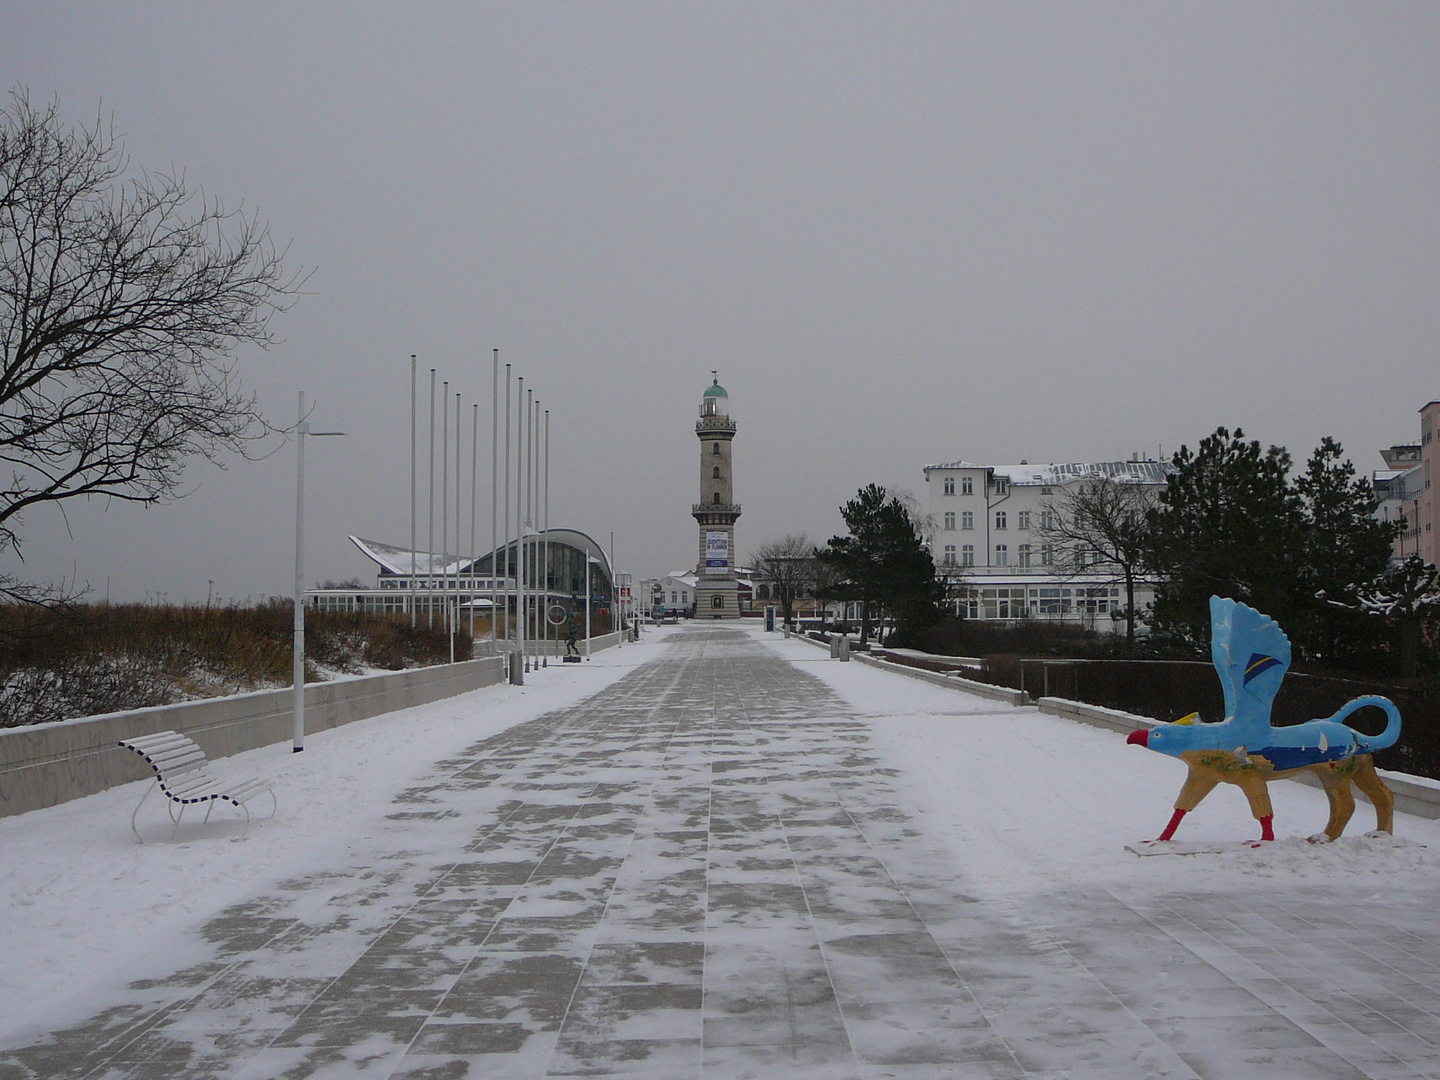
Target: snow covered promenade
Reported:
[(717, 854)]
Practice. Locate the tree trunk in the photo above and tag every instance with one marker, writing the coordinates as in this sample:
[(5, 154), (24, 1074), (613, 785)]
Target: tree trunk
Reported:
[(1409, 645), (1129, 612)]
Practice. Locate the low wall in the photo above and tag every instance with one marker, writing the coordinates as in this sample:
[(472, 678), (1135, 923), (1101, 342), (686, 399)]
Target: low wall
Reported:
[(1416, 795), (53, 763), (986, 690), (550, 647), (955, 682)]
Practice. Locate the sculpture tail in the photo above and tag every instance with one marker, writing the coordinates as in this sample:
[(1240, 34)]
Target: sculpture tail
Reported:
[(1367, 744)]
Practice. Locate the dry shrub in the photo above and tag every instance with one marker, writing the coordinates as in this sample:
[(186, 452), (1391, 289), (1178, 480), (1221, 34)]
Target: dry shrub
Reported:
[(80, 660)]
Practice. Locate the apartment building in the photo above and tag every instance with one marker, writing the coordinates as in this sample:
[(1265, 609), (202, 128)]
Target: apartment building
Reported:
[(988, 532)]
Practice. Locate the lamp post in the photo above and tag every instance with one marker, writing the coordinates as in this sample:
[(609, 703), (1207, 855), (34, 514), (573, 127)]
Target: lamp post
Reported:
[(302, 428)]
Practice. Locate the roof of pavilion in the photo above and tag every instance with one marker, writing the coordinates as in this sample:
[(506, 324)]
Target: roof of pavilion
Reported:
[(394, 559)]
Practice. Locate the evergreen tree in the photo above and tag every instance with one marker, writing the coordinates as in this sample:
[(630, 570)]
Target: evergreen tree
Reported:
[(1345, 547), (882, 563), (1407, 597), (1229, 523)]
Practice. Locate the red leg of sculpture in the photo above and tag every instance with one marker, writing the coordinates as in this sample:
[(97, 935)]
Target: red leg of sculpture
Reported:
[(1174, 824)]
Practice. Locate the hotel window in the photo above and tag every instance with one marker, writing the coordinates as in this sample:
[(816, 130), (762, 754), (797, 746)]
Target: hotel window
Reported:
[(1002, 485), (949, 555), (1022, 519), (966, 487), (967, 555), (1002, 555), (949, 485), (1047, 519), (999, 519), (967, 520), (950, 521), (1023, 551), (1047, 554)]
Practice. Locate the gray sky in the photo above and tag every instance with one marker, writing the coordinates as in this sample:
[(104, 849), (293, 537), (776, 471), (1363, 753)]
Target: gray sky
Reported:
[(903, 233)]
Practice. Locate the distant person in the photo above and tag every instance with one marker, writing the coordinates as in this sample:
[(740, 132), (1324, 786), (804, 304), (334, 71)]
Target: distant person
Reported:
[(570, 635)]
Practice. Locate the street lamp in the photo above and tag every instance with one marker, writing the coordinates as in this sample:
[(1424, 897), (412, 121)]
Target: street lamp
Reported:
[(302, 429)]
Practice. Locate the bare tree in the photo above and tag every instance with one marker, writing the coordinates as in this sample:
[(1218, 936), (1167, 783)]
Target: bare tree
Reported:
[(123, 300), (1098, 528), (788, 566)]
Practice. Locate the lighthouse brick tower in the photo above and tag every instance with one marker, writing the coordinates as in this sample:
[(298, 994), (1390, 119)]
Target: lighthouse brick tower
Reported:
[(717, 593)]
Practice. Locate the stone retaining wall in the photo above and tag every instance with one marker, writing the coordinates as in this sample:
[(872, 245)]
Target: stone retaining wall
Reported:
[(53, 763)]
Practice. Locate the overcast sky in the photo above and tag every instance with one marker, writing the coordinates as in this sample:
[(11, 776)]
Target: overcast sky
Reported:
[(903, 233)]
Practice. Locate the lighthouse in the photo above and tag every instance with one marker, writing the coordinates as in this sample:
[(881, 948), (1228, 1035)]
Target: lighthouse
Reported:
[(717, 593)]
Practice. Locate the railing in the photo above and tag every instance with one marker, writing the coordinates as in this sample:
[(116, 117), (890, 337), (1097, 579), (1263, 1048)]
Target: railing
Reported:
[(715, 508), (714, 423)]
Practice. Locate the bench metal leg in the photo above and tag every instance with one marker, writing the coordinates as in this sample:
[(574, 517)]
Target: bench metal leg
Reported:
[(177, 821), (141, 803)]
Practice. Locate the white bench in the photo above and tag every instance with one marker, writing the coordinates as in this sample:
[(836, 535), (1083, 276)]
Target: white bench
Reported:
[(181, 772)]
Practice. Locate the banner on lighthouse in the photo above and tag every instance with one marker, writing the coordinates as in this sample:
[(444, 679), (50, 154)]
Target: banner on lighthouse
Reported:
[(717, 552)]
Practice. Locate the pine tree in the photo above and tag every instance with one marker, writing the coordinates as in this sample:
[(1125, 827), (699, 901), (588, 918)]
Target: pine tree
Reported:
[(1229, 523), (882, 563), (1345, 547)]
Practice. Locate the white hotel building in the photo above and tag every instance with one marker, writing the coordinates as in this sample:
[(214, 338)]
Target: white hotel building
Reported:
[(987, 532)]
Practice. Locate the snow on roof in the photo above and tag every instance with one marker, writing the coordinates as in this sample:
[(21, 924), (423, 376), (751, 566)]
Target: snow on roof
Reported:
[(400, 560), (1138, 472), (394, 559)]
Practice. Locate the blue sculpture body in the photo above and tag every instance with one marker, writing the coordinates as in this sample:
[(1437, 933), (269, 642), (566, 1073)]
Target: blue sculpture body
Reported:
[(1252, 654)]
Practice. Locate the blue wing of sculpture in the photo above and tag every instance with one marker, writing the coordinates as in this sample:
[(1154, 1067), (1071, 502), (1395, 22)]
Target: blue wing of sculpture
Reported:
[(1251, 654)]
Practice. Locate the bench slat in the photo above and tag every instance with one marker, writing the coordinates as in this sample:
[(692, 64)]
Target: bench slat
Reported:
[(176, 759)]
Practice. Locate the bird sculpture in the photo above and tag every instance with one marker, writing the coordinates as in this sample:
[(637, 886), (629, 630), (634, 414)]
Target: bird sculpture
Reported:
[(1252, 654)]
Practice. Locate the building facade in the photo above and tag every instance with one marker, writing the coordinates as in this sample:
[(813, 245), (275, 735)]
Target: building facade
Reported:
[(1405, 488), (555, 572), (1429, 423), (716, 588), (989, 531)]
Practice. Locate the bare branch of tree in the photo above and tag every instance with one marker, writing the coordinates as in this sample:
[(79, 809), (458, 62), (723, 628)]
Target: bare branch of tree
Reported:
[(123, 301), (788, 566), (1097, 530)]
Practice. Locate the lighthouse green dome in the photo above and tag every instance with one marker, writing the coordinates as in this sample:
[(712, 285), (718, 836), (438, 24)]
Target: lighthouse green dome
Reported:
[(715, 390)]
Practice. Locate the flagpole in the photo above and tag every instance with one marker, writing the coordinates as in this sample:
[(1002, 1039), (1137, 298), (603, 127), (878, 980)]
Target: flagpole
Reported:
[(520, 521), (547, 536), (413, 362), (474, 467), (430, 543), (507, 507), (494, 460)]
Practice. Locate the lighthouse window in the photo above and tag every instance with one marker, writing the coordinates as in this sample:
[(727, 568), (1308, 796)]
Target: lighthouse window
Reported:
[(715, 472), (716, 450), (717, 498)]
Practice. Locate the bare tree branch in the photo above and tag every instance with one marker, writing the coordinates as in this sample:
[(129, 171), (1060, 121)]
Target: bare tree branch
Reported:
[(1097, 528), (788, 566), (122, 305)]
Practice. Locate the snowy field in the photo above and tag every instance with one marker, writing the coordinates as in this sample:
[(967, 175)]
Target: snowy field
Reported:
[(1026, 801), (85, 903), (1019, 801)]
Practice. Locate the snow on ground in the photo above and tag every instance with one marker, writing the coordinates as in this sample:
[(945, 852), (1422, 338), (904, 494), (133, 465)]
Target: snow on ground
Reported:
[(1026, 802), (83, 900), (1021, 803)]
